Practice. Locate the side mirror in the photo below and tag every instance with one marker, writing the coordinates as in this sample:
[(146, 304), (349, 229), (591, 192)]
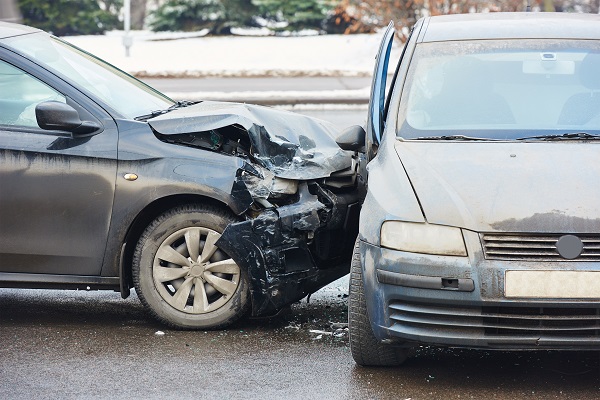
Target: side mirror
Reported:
[(54, 115), (352, 138)]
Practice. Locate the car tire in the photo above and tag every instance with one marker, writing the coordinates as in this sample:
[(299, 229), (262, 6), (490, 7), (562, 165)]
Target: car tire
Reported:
[(183, 279), (366, 349)]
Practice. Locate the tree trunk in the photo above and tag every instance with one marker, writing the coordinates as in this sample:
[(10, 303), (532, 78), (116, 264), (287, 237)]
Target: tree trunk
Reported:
[(138, 14), (9, 11), (549, 5)]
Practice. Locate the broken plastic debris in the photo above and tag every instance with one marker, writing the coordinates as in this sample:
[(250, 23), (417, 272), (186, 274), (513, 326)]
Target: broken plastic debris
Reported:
[(320, 332), (340, 332), (318, 337), (159, 333)]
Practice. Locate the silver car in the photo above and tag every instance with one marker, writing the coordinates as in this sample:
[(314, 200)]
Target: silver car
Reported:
[(481, 225)]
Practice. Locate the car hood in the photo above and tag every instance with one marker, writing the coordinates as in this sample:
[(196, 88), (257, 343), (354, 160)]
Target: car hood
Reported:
[(549, 187), (290, 145)]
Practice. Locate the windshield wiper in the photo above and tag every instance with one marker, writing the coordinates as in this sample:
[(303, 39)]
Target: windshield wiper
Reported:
[(564, 136), (179, 104), (451, 137)]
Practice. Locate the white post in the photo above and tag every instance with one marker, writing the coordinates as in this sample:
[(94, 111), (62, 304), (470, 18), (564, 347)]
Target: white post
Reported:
[(127, 40)]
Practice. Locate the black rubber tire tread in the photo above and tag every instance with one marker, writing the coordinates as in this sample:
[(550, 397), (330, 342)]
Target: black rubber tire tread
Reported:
[(366, 349), (212, 217)]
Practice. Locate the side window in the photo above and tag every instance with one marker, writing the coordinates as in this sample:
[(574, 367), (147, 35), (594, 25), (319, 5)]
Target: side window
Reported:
[(19, 94)]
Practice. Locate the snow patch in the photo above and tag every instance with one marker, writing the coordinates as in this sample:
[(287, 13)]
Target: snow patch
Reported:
[(190, 54)]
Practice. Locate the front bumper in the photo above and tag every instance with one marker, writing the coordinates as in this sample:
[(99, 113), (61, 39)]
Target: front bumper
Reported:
[(460, 302), (294, 250)]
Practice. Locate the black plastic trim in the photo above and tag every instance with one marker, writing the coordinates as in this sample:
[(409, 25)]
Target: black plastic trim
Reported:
[(9, 279), (425, 282)]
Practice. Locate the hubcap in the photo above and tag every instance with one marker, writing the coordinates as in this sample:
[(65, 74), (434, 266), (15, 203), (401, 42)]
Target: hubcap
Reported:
[(192, 274)]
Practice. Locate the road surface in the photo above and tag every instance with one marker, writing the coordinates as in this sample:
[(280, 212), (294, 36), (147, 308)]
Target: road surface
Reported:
[(80, 345)]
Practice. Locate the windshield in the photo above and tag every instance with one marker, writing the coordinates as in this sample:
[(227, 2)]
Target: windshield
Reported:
[(502, 89), (120, 91)]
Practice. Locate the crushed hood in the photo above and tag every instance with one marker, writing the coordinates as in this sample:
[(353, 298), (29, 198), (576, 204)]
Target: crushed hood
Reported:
[(546, 187), (290, 145)]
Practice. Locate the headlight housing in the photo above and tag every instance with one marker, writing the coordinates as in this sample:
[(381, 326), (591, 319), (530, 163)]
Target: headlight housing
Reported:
[(423, 238)]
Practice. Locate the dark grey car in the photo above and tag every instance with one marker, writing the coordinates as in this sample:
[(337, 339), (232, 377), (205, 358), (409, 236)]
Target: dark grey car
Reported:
[(210, 210), (481, 225)]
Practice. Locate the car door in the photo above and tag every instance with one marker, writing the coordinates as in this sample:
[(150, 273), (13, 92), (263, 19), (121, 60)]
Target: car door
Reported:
[(376, 117), (56, 189)]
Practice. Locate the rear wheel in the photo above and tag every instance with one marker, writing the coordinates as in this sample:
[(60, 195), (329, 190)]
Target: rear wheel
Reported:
[(180, 274), (366, 349)]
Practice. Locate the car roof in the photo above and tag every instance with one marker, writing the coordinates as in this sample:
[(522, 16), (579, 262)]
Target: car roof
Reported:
[(8, 29), (517, 25)]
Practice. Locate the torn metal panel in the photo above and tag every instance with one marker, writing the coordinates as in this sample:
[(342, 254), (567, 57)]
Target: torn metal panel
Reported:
[(264, 184), (292, 146)]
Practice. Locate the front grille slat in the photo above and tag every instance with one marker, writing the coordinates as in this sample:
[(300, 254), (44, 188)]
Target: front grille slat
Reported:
[(519, 245), (498, 321), (438, 322), (524, 313), (535, 247)]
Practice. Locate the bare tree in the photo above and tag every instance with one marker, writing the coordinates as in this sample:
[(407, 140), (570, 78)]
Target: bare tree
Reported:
[(406, 12), (377, 13)]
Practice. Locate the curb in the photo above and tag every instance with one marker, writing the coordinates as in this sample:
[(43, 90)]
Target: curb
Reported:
[(282, 101), (269, 98)]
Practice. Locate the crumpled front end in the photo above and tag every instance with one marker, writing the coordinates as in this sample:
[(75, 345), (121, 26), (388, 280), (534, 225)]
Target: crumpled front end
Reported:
[(292, 244), (298, 192)]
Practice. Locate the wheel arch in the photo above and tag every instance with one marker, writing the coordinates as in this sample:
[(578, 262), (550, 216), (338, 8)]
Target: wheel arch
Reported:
[(143, 219)]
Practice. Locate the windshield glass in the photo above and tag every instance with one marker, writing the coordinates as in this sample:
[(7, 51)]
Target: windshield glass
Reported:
[(502, 89), (117, 89)]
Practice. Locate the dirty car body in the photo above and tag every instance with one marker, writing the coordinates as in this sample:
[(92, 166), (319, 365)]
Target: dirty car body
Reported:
[(481, 227), (211, 210)]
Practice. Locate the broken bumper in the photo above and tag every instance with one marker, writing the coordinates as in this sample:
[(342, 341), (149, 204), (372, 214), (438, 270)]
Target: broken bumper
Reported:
[(294, 250)]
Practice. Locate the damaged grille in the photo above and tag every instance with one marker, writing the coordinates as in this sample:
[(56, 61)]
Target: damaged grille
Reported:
[(535, 247), (497, 325)]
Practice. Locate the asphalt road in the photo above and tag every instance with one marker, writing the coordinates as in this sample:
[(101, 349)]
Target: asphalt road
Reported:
[(95, 345)]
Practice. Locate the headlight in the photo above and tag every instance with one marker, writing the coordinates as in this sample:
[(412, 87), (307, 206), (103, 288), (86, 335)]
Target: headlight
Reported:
[(423, 238)]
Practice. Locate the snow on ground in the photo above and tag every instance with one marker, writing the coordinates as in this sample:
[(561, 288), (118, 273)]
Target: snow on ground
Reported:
[(193, 55)]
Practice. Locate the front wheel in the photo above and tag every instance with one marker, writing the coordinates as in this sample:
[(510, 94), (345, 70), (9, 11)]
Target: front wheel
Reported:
[(366, 349), (180, 274)]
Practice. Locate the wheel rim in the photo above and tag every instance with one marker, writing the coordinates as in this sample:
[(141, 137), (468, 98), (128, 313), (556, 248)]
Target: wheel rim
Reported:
[(192, 274)]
